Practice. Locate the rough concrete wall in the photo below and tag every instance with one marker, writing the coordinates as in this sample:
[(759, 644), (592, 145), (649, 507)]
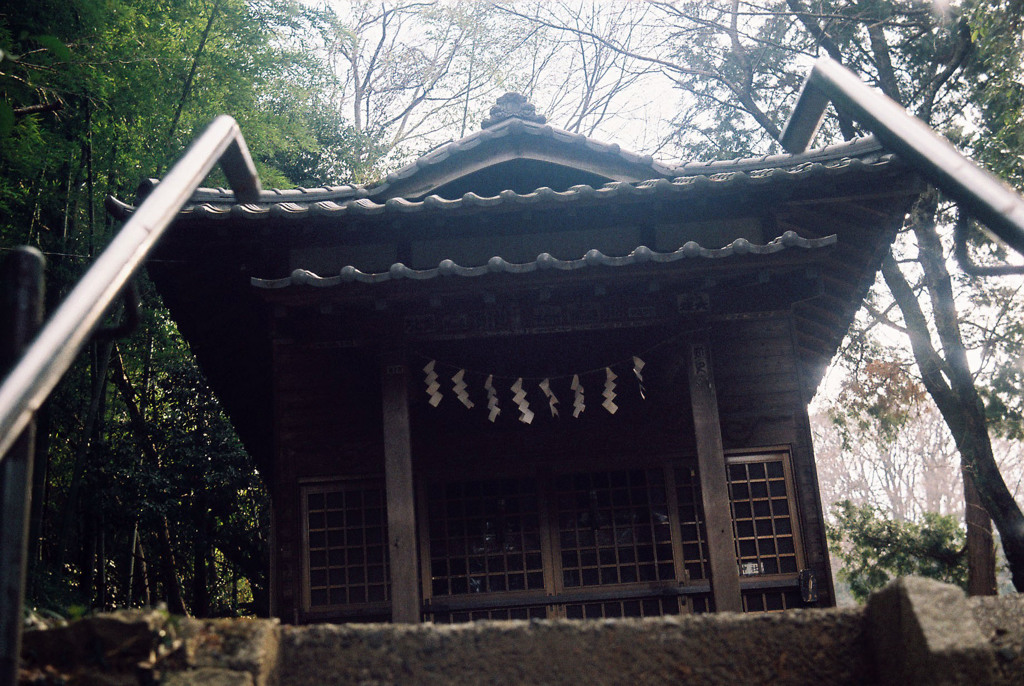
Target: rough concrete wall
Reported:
[(915, 631), (804, 646)]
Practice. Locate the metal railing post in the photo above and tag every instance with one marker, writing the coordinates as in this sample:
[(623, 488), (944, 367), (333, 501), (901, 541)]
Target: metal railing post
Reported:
[(21, 313), (36, 371), (57, 345), (981, 193)]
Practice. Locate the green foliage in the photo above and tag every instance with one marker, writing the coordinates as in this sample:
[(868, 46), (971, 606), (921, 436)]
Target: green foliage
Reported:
[(996, 86), (877, 401), (874, 549), (96, 95)]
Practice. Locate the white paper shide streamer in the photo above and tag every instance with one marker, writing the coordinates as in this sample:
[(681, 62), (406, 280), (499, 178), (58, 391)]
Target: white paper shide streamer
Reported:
[(492, 399), (577, 400), (519, 398), (638, 367), (433, 387), (459, 387), (545, 386), (609, 391)]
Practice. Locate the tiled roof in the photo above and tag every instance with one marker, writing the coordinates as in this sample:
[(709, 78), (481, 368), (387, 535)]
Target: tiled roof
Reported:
[(593, 258), (514, 126), (698, 177)]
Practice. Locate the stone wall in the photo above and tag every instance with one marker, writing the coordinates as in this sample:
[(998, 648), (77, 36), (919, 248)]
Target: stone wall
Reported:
[(915, 631)]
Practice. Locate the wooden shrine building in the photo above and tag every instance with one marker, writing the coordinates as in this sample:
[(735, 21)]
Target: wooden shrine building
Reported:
[(535, 375)]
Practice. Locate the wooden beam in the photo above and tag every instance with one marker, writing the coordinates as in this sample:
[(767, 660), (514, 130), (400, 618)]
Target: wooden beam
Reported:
[(402, 545), (714, 487)]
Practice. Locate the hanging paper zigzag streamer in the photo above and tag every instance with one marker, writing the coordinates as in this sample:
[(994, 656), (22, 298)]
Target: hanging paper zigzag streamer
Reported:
[(433, 387), (577, 401), (545, 386), (609, 391), (526, 415), (519, 398), (638, 366), (492, 399), (460, 389)]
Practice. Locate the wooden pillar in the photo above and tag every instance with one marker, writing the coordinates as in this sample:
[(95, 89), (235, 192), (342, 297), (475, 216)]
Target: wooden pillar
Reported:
[(402, 545), (714, 486)]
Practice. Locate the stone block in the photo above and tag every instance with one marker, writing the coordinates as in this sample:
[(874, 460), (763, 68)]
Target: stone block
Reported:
[(801, 647), (923, 632), (207, 676), (109, 641), (241, 645)]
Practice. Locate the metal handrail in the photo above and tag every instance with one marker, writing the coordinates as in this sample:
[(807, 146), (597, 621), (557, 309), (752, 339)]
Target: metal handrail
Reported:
[(58, 343), (981, 193)]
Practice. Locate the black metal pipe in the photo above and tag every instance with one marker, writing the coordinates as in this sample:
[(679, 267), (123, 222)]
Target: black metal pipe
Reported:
[(985, 196), (57, 345), (21, 312)]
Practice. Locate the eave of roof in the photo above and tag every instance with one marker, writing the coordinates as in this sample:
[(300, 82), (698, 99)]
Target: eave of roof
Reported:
[(861, 155), (206, 278), (546, 261), (534, 141)]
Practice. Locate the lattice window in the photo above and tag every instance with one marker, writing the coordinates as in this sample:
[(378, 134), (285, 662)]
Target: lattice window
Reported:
[(702, 604), (485, 537), (641, 607), (691, 523), (762, 515), (614, 528), (536, 612), (605, 528), (771, 600), (346, 535)]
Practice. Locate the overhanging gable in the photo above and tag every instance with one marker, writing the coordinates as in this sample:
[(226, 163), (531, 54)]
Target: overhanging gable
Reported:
[(517, 155)]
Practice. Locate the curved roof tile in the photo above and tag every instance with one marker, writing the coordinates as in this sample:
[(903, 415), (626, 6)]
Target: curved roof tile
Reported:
[(208, 202), (593, 258), (717, 176)]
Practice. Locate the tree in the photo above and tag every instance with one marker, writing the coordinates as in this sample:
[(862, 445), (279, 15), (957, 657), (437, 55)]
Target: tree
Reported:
[(397, 70), (411, 75), (743, 62), (138, 469), (883, 449), (875, 549)]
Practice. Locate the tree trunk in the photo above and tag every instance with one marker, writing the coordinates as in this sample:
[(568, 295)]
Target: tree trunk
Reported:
[(130, 579), (142, 572), (187, 87), (99, 386), (201, 554), (101, 564), (172, 587), (87, 559), (40, 469), (981, 557)]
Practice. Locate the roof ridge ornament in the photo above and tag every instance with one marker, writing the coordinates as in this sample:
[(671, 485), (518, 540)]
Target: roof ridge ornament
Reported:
[(512, 105)]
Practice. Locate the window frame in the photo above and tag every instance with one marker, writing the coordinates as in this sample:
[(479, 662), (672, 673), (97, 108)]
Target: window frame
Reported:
[(368, 609), (555, 596), (693, 594)]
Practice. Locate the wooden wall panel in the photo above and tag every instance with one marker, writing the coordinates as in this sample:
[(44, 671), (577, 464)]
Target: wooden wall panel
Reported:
[(328, 408), (327, 424), (762, 403)]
